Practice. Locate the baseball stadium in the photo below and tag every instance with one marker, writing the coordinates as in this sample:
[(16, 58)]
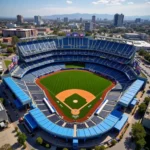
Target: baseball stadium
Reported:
[(75, 89)]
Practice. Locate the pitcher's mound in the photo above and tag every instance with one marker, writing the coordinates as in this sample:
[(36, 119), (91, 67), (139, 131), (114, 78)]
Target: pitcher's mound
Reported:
[(75, 101)]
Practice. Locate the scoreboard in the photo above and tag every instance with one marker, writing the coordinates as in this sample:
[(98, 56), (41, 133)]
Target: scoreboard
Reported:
[(75, 34)]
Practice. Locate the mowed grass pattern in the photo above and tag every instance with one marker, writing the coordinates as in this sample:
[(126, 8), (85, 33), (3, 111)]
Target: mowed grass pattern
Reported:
[(75, 65), (75, 80)]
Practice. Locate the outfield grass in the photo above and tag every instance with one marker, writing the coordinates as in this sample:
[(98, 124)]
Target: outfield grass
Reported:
[(75, 65), (7, 63), (75, 80)]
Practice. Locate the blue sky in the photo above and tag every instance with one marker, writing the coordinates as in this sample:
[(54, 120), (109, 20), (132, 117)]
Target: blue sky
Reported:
[(29, 8)]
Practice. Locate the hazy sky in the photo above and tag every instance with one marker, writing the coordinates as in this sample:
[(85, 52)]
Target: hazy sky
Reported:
[(29, 8)]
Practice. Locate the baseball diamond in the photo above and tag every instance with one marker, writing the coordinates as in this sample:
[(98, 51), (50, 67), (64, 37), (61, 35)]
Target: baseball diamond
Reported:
[(73, 91)]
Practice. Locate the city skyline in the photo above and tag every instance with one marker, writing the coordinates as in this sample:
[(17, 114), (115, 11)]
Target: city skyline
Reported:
[(29, 8)]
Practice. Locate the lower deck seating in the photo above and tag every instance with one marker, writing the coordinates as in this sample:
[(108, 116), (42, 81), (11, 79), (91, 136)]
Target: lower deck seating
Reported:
[(90, 123), (96, 119), (81, 126), (60, 122), (104, 114), (54, 118), (69, 125)]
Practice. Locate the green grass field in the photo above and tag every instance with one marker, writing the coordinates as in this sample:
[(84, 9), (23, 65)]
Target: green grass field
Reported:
[(75, 80), (69, 101), (75, 65), (7, 63)]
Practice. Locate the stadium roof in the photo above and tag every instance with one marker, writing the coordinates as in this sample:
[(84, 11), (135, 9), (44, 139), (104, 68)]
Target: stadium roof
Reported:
[(107, 124), (49, 126), (18, 104), (119, 125), (30, 121), (101, 128), (19, 93), (134, 102), (130, 93), (140, 44)]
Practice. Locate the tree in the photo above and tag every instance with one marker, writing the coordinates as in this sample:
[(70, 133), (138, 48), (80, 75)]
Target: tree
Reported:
[(142, 52), (138, 131), (24, 146), (142, 108), (16, 129), (102, 147), (113, 142), (140, 144), (147, 100), (2, 100), (39, 140), (145, 54), (10, 50), (6, 147), (14, 48), (65, 148), (55, 31), (3, 46), (22, 138), (61, 34), (96, 148), (47, 145), (18, 133), (15, 40), (88, 34)]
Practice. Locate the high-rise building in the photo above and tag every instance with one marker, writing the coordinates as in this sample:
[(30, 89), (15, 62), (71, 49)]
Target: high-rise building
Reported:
[(81, 20), (38, 20), (138, 20), (19, 19), (88, 26), (93, 19), (58, 20), (118, 20), (66, 19)]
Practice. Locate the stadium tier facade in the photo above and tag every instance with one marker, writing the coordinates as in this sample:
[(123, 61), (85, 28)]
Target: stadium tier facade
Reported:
[(40, 58)]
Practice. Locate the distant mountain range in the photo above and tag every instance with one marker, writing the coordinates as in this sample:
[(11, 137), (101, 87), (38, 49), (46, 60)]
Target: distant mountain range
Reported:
[(88, 16)]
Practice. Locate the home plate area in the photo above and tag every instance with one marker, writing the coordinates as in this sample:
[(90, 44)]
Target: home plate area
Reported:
[(75, 100)]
